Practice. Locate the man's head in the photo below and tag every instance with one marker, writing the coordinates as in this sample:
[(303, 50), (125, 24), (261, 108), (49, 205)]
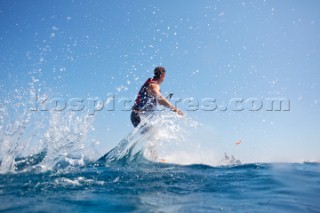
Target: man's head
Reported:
[(159, 73)]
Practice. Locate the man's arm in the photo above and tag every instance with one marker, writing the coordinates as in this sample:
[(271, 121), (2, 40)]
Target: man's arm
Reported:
[(154, 90)]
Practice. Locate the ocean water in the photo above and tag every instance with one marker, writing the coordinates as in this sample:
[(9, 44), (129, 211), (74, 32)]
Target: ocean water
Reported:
[(162, 187), (142, 175)]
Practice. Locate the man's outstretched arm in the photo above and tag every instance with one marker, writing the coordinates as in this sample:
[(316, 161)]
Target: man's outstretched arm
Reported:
[(154, 90)]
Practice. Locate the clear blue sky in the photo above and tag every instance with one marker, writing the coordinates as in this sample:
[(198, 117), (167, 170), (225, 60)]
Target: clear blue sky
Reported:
[(211, 49)]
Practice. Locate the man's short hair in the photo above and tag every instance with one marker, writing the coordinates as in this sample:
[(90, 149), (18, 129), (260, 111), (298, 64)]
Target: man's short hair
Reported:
[(158, 72)]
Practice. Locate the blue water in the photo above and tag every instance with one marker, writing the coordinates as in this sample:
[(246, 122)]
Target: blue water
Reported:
[(144, 186)]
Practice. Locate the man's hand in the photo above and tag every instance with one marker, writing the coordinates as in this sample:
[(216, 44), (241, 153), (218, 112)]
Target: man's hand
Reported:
[(179, 112)]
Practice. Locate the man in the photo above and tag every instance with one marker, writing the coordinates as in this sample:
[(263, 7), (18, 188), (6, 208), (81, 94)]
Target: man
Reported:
[(149, 96)]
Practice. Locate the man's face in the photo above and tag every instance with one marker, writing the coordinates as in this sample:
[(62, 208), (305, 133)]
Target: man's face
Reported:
[(162, 77)]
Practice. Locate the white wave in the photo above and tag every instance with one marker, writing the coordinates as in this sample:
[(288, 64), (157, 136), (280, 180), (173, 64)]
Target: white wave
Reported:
[(60, 136), (166, 137)]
